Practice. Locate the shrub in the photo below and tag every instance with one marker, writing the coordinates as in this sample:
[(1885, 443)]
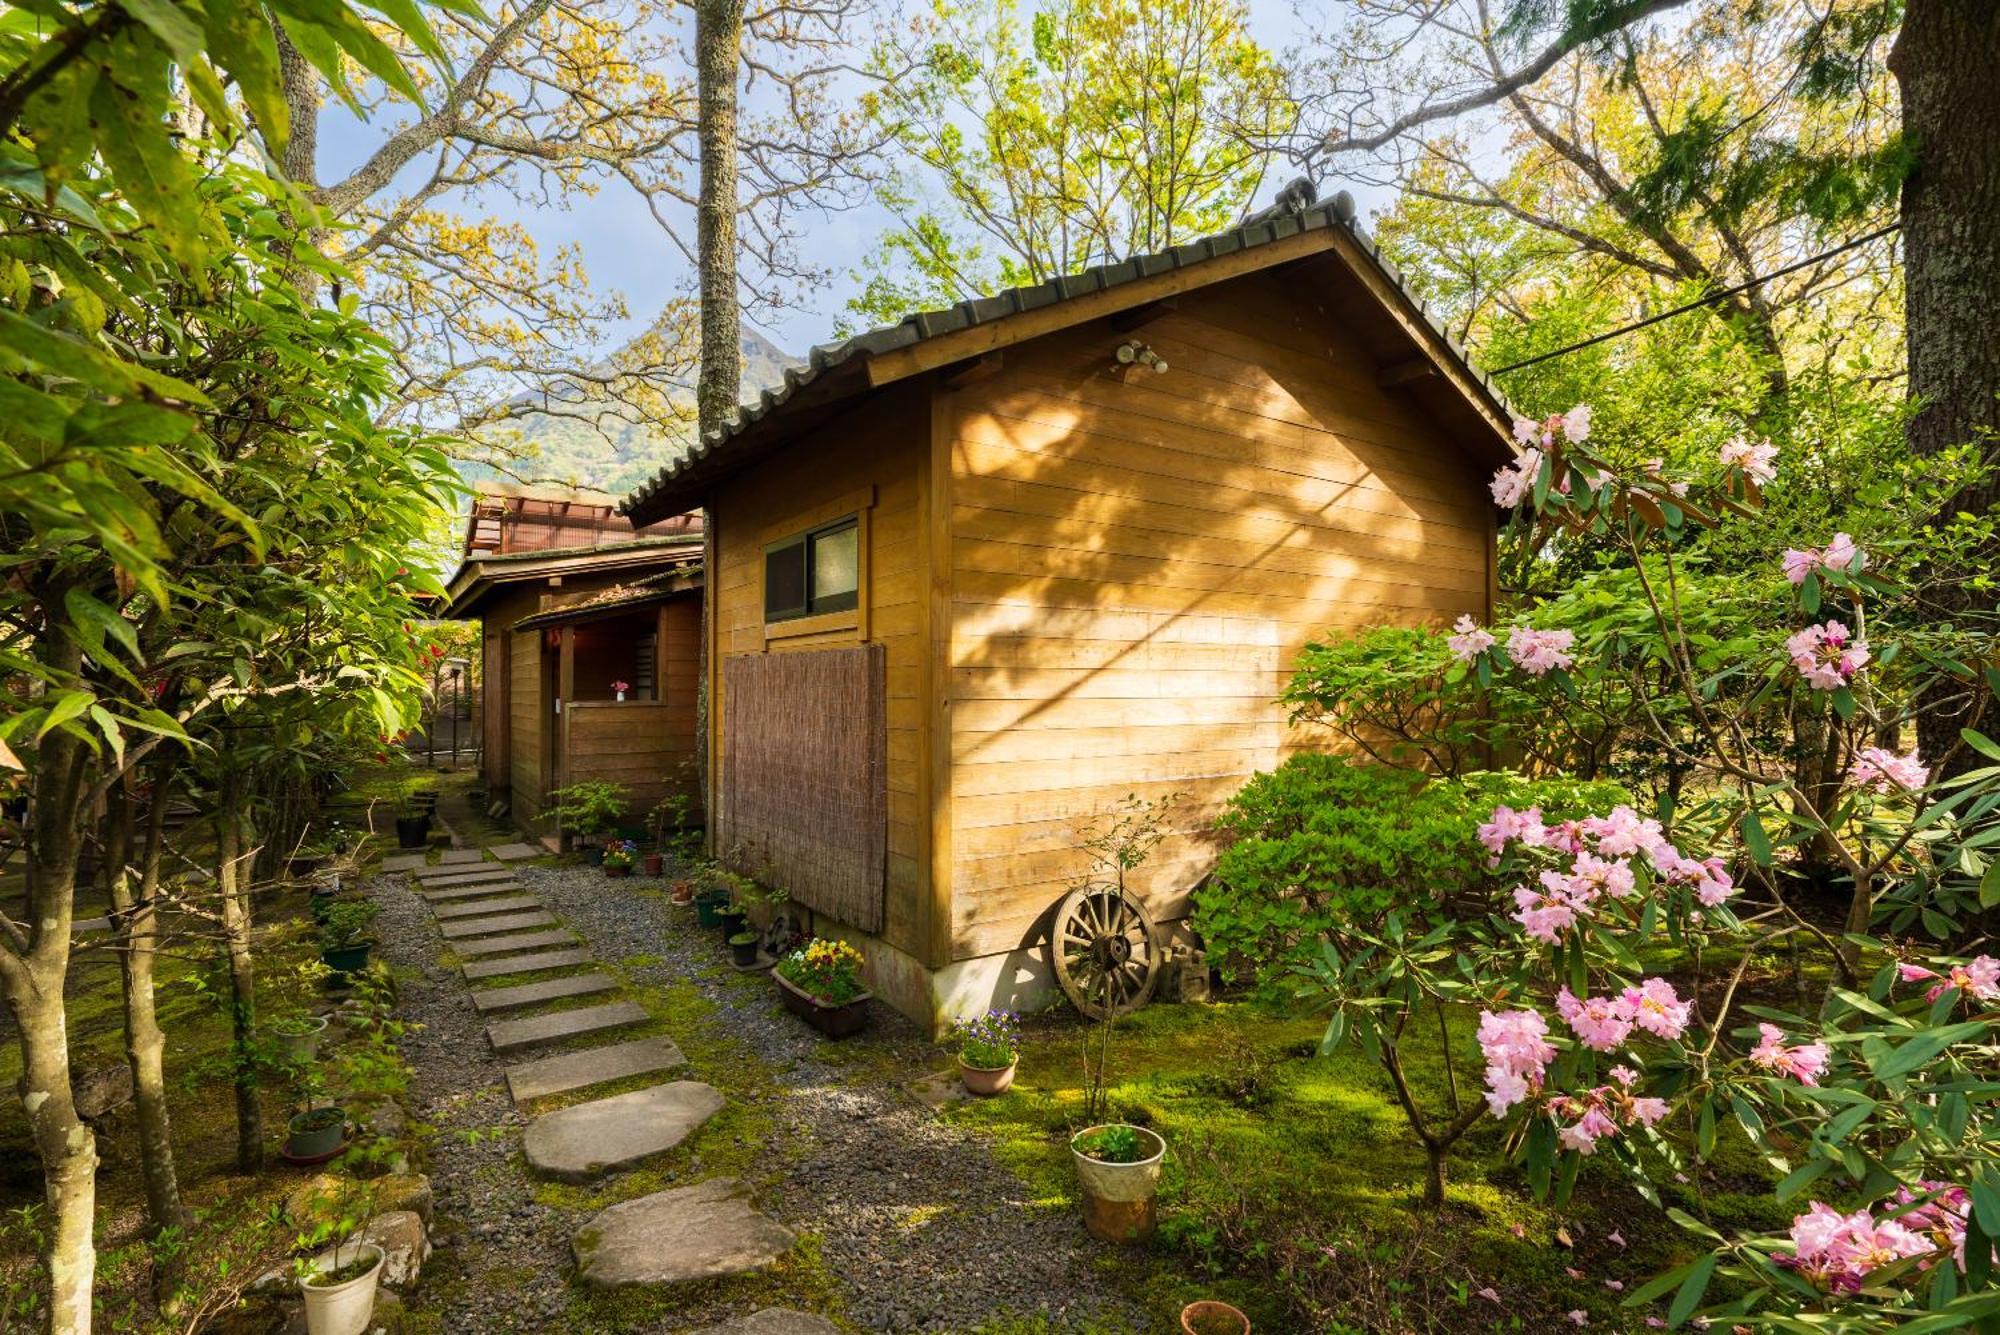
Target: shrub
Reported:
[(589, 808), (1322, 842), (347, 922)]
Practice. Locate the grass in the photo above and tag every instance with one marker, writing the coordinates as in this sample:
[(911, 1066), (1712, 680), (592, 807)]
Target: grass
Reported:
[(1292, 1181)]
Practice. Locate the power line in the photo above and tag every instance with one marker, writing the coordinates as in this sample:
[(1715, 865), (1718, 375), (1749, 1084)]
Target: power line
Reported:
[(1696, 305)]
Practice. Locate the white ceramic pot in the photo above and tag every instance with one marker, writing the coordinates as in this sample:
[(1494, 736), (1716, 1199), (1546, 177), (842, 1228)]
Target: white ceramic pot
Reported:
[(304, 1047), (344, 1308)]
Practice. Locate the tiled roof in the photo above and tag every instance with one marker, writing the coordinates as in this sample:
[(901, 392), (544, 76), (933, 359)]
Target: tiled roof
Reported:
[(1293, 214)]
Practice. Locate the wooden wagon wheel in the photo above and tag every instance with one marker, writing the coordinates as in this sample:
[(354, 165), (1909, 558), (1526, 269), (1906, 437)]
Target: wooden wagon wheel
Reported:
[(1105, 951)]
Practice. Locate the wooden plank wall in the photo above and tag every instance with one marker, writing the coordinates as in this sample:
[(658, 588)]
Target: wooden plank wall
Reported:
[(525, 742), (881, 444), (639, 744), (1137, 559)]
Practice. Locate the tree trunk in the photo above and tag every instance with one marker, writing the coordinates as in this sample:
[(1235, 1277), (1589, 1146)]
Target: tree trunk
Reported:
[(1943, 61), (33, 980), (1434, 1157), (136, 914), (718, 41), (230, 875)]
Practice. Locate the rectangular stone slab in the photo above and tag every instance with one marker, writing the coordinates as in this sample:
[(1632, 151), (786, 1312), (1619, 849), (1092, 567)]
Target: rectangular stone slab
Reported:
[(403, 862), (472, 908), (452, 857), (471, 891), (501, 945), (489, 999), (510, 922), (513, 1035), (592, 1139), (554, 959), (593, 1066), (436, 879), (515, 852)]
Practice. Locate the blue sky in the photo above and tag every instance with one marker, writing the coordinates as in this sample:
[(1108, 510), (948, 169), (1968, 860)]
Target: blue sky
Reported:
[(625, 250)]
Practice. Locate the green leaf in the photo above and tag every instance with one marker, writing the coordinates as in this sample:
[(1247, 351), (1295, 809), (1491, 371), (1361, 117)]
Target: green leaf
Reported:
[(1924, 1048), (1801, 1177), (240, 40), (132, 136), (174, 28), (63, 707), (94, 621), (1981, 743), (1754, 837), (1689, 1297)]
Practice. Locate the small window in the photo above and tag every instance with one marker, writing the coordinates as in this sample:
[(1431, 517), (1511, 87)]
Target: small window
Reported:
[(818, 571)]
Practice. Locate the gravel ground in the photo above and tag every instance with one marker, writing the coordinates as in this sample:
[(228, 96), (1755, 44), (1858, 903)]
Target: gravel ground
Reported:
[(921, 1228)]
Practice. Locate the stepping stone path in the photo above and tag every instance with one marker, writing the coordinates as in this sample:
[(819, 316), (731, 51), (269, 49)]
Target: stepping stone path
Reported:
[(534, 994), (593, 1066), (774, 1321), (554, 959), (509, 922), (475, 907), (592, 1139), (403, 862), (501, 945), (512, 1035), (703, 1231), (670, 1237)]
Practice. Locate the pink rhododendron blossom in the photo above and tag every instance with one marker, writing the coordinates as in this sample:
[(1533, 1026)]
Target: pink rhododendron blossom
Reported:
[(1511, 826), (1535, 652), (1978, 980), (1941, 1218), (1579, 1316), (1878, 769), (1548, 913), (1625, 1076), (1710, 878), (1836, 1251), (1591, 876), (1515, 482), (1757, 459), (1827, 656), (1805, 1063), (1649, 1112), (1576, 423), (1583, 1134), (1471, 641), (1517, 1051), (1841, 554), (1601, 1023), (1624, 832), (1657, 1008)]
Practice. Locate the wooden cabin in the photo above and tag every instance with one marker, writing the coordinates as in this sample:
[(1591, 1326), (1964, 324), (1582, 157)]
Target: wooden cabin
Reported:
[(572, 601), (979, 575)]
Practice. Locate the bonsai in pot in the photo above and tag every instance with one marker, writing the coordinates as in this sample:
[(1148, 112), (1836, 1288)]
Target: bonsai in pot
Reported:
[(317, 1130), (988, 1050), (298, 1035), (1119, 1168), (588, 811), (343, 935), (743, 948), (339, 1275), (413, 816), (821, 984), (619, 855)]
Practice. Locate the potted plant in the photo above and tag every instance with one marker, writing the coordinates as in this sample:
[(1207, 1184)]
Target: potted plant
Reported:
[(743, 948), (343, 935), (1209, 1317), (821, 984), (340, 1298), (988, 1050), (1119, 1167), (618, 689), (317, 1130), (413, 816), (708, 905), (619, 855), (730, 918), (587, 811), (298, 1035)]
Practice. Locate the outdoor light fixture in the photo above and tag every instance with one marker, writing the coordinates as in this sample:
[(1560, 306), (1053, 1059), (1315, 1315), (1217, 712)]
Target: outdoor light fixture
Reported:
[(1135, 352)]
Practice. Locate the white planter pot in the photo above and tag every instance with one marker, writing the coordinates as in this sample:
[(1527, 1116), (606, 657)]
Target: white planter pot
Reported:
[(345, 1308), (304, 1047)]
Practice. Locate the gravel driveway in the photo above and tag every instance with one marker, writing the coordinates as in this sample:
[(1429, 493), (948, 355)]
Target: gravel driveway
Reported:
[(917, 1227)]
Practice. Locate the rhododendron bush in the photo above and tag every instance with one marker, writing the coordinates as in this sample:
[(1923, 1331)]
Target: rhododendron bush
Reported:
[(1871, 1099)]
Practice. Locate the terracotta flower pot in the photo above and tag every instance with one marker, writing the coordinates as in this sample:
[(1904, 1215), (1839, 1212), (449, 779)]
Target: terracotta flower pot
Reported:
[(683, 892), (618, 869), (833, 1021), (987, 1082), (655, 863), (1213, 1318), (1118, 1197)]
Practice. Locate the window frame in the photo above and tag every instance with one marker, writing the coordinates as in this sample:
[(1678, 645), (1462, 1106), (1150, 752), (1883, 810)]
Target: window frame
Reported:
[(848, 601)]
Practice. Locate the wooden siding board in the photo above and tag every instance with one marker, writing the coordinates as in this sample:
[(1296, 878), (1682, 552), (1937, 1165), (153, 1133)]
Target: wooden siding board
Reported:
[(1136, 561)]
